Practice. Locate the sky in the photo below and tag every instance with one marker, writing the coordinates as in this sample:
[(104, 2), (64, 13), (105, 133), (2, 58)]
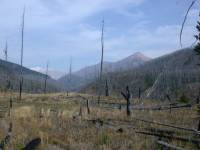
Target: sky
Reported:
[(57, 30)]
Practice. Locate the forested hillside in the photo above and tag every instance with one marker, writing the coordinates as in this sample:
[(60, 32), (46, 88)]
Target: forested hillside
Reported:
[(176, 74), (32, 80)]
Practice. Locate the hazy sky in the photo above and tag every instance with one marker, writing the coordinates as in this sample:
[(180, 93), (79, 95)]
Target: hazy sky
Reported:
[(56, 30)]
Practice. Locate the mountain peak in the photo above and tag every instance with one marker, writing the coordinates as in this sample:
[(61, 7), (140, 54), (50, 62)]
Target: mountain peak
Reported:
[(141, 56)]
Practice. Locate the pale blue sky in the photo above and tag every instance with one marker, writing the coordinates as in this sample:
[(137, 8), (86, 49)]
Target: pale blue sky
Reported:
[(56, 30)]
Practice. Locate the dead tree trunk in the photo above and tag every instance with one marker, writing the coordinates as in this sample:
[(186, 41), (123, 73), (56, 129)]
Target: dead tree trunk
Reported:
[(69, 77), (198, 97), (139, 93), (46, 77), (180, 138), (20, 87), (6, 51), (127, 96), (106, 88), (10, 107), (22, 53), (88, 108), (80, 111), (168, 146), (101, 68)]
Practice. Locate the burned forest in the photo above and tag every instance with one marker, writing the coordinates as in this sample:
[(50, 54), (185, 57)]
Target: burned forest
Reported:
[(100, 75)]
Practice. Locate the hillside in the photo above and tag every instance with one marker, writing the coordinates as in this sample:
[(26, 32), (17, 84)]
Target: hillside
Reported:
[(172, 74), (84, 76), (33, 81)]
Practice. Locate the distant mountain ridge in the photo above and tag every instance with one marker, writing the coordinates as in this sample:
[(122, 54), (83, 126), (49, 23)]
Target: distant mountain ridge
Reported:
[(32, 81), (88, 74), (175, 74), (123, 64)]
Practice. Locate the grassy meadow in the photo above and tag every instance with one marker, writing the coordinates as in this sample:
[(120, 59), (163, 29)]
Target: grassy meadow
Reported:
[(63, 122)]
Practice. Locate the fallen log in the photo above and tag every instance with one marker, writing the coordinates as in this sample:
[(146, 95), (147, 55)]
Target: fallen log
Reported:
[(180, 138), (168, 125), (138, 107), (165, 107), (161, 131), (165, 144)]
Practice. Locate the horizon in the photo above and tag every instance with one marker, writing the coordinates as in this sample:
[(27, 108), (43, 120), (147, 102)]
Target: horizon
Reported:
[(55, 33), (57, 74)]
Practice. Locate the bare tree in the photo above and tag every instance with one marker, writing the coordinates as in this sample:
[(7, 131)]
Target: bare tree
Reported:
[(22, 53), (106, 88), (69, 76), (46, 77), (139, 93), (102, 54), (70, 69), (127, 96)]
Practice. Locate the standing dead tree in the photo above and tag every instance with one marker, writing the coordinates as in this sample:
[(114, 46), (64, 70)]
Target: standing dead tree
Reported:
[(127, 96), (106, 88), (139, 93), (6, 51), (69, 76), (22, 53), (102, 54), (88, 108), (87, 103), (70, 69), (46, 77)]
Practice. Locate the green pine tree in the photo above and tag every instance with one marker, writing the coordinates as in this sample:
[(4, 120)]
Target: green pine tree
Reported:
[(197, 47), (197, 50)]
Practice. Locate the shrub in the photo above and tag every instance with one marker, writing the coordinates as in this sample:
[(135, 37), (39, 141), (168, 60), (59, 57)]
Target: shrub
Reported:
[(184, 99)]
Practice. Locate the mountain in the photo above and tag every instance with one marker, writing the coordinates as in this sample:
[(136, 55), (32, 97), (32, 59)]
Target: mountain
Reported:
[(32, 81), (88, 74), (125, 64), (175, 74)]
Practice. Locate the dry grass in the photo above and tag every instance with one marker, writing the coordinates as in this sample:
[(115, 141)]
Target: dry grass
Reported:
[(54, 118)]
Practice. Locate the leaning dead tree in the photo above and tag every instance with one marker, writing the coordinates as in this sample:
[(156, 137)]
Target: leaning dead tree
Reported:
[(184, 21), (6, 51), (127, 96), (102, 54), (46, 77), (22, 53)]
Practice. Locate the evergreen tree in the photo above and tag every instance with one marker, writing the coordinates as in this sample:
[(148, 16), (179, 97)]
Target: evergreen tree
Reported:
[(197, 47)]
